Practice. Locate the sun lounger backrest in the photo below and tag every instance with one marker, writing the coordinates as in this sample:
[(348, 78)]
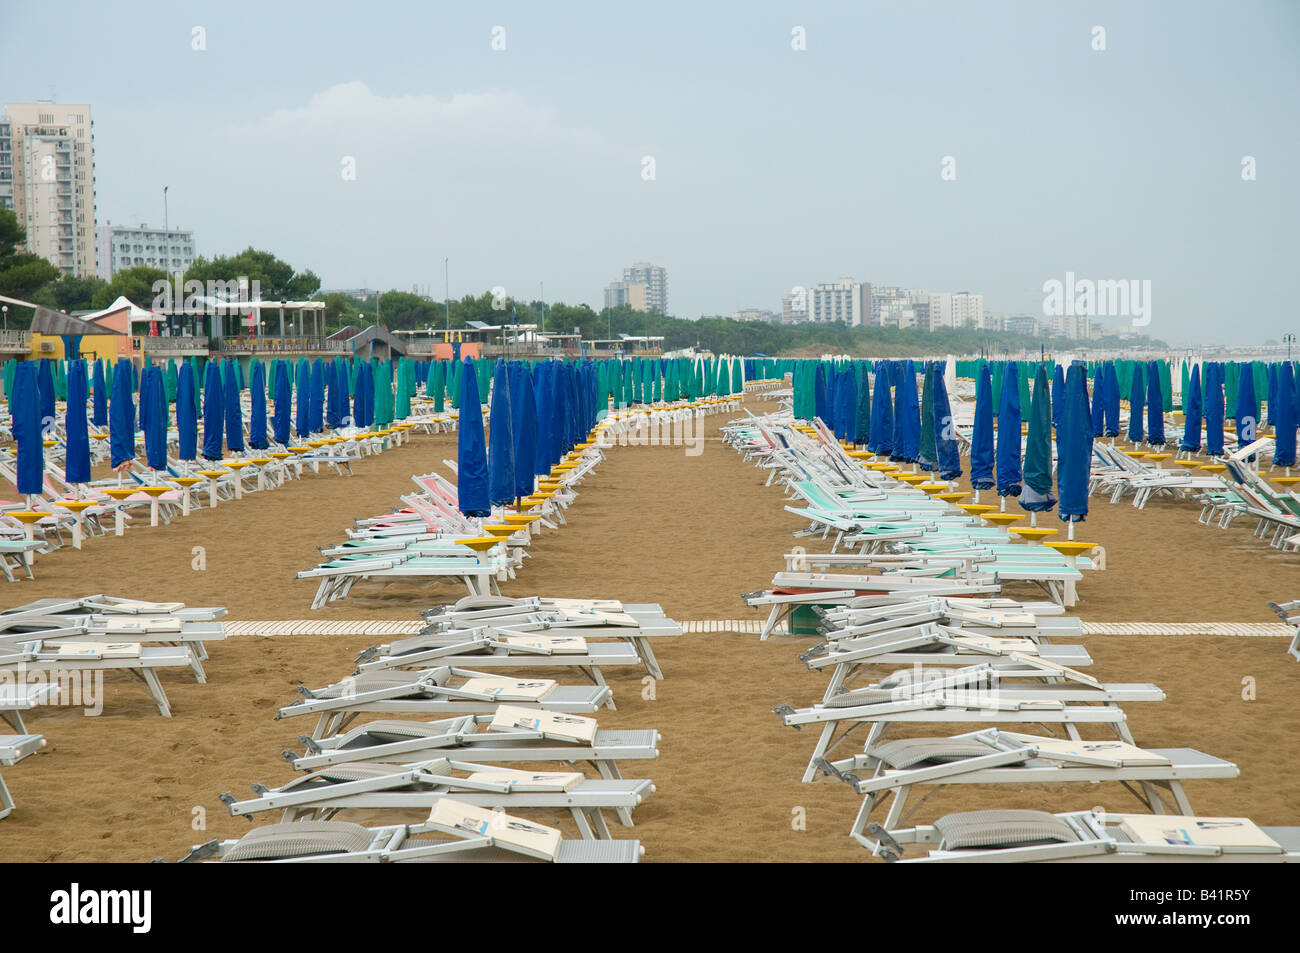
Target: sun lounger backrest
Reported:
[(1002, 829), (299, 839)]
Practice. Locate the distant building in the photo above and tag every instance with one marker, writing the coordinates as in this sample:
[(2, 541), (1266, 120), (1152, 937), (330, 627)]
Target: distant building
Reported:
[(794, 308), (896, 311), (883, 303), (755, 314), (6, 163), (1076, 327), (631, 294), (1021, 324), (656, 281), (48, 152), (967, 310), (118, 247), (845, 301)]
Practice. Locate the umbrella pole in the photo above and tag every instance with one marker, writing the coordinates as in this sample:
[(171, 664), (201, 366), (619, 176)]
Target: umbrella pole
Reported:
[(1002, 505), (1070, 531), (1033, 518)]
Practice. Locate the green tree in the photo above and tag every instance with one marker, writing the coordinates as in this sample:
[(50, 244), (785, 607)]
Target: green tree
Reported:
[(276, 278), (21, 274), (136, 284), (69, 293)]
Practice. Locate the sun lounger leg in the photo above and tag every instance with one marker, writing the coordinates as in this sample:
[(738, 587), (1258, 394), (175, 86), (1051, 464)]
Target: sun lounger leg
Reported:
[(156, 690), (823, 745), (584, 829), (6, 802), (609, 771), (647, 654)]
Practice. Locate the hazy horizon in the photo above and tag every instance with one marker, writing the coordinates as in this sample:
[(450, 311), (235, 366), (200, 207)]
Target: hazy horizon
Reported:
[(773, 167)]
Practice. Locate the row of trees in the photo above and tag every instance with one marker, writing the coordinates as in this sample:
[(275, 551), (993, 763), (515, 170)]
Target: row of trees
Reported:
[(34, 279)]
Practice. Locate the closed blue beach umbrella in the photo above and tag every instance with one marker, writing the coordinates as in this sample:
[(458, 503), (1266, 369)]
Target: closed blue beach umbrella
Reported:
[(525, 428), (1074, 447), (187, 421), (281, 417), (545, 417), (945, 432), (1284, 417), (1008, 448), (100, 413), (1036, 494), (981, 445), (1111, 399), (257, 407), (1136, 402), (1192, 411), (1247, 415), (234, 415), (1212, 383), (213, 412), (302, 416), (76, 428), (1155, 406), (45, 391), (316, 409), (153, 400), (471, 455), (25, 409), (121, 417), (501, 439)]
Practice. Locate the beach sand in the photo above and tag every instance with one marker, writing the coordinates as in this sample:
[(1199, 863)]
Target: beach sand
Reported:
[(651, 524)]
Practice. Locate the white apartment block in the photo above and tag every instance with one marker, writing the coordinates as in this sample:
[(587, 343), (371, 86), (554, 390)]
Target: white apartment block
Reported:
[(754, 314), (118, 247), (845, 301), (656, 281), (794, 308), (50, 157), (967, 310)]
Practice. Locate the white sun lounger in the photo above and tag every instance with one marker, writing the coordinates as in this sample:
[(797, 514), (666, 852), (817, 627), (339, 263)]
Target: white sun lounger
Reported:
[(321, 794), (467, 738), (890, 771), (431, 692), (490, 648), (342, 842), (1086, 836), (929, 644), (637, 623), (971, 694), (143, 662)]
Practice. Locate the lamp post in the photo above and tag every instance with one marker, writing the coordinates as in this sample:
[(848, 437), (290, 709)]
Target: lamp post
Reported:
[(1287, 339), (5, 309)]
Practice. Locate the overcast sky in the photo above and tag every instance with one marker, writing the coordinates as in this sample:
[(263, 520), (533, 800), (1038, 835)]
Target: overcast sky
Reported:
[(772, 166)]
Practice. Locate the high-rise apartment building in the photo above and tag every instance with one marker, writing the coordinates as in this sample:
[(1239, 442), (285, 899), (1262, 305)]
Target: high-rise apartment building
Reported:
[(6, 164), (967, 310), (656, 281), (52, 161), (119, 246), (845, 301)]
